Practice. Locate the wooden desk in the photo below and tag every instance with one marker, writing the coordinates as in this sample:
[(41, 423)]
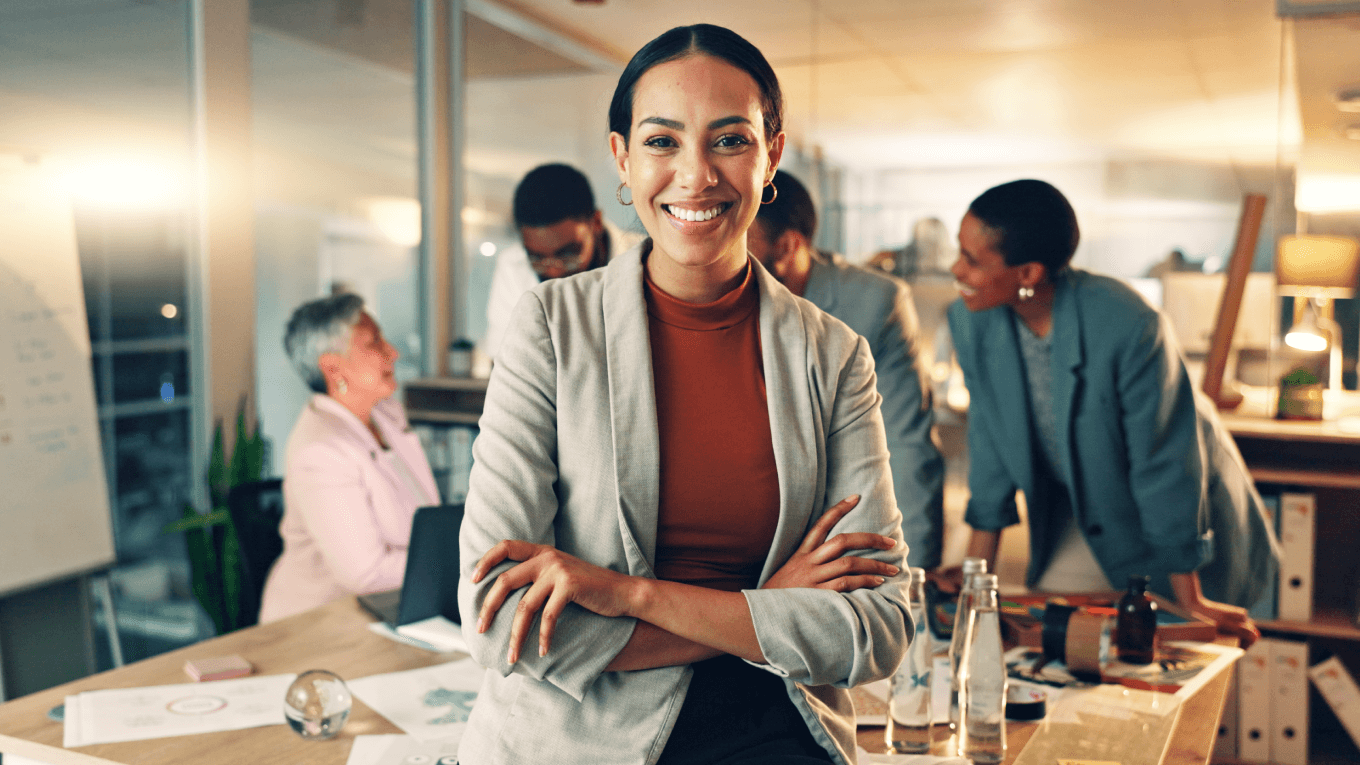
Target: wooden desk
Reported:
[(336, 637), (333, 637), (1189, 741)]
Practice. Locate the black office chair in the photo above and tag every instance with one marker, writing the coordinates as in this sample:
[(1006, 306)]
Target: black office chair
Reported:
[(256, 509)]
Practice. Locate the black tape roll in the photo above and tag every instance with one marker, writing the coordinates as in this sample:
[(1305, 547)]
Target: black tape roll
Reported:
[(1054, 636), (1026, 703)]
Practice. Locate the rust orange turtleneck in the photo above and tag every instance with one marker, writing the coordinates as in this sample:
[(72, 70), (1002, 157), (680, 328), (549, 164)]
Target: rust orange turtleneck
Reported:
[(719, 501)]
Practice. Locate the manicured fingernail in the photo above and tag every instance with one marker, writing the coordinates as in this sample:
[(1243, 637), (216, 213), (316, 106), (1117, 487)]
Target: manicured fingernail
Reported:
[(852, 498), (510, 656), (892, 570), (878, 580), (542, 651), (481, 625)]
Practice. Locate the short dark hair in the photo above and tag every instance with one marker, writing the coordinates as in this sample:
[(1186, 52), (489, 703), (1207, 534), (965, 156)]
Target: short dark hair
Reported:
[(712, 40), (550, 194), (792, 209), (1033, 222)]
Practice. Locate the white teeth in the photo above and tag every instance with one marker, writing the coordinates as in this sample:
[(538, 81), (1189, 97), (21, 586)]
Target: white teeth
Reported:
[(963, 289), (695, 215)]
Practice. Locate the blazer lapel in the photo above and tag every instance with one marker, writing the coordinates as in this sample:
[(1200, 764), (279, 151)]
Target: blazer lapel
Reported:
[(1067, 362), (632, 407), (999, 354), (795, 416)]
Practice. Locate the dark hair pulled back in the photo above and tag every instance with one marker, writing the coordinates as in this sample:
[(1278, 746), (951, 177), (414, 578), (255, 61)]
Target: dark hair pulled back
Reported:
[(709, 39)]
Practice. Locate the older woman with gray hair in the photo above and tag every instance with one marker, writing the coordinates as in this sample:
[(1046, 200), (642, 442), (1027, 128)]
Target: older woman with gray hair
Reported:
[(354, 473)]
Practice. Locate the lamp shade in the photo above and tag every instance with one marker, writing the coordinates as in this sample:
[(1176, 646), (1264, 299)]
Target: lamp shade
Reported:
[(1317, 266)]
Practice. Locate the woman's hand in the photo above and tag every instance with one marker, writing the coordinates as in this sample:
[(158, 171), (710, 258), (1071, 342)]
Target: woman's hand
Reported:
[(823, 563), (1230, 619), (554, 579)]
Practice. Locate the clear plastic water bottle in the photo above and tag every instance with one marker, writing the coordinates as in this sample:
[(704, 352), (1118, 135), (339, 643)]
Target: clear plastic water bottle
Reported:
[(909, 711), (982, 724), (971, 568)]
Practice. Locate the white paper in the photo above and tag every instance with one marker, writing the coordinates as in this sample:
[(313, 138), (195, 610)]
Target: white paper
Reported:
[(429, 703), (436, 631), (397, 749), (134, 714)]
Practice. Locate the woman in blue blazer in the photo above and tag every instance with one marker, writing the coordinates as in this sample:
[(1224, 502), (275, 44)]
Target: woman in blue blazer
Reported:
[(1080, 399)]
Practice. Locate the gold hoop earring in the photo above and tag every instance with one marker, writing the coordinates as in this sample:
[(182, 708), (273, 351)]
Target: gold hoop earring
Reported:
[(1026, 293), (618, 194), (773, 196)]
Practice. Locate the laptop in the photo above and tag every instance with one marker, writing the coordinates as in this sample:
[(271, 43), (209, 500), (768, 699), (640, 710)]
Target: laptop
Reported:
[(430, 586)]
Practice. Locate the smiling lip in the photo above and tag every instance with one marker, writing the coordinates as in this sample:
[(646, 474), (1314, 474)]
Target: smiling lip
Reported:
[(964, 289), (696, 216)]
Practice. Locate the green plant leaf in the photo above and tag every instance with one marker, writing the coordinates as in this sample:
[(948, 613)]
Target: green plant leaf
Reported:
[(196, 520)]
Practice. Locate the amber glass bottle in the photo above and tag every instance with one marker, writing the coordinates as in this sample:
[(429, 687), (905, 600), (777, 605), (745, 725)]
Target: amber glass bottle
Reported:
[(1136, 626)]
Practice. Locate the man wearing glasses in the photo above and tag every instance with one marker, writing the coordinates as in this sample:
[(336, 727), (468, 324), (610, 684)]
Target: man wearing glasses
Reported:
[(562, 233)]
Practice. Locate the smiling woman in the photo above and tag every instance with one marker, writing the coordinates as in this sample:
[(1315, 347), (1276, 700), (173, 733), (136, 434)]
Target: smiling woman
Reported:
[(651, 499)]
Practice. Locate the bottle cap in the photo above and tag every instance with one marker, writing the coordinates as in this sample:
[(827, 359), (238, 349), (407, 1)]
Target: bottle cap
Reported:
[(974, 566)]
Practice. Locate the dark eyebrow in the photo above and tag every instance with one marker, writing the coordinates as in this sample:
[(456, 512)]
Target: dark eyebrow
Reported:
[(725, 121), (714, 125), (663, 122)]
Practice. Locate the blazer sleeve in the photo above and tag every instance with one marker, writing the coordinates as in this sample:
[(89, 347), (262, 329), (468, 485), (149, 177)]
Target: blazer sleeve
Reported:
[(819, 637), (511, 496), (991, 490), (326, 489), (1166, 458), (908, 417)]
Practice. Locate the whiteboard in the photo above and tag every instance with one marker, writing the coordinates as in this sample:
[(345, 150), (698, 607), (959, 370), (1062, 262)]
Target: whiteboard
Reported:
[(54, 503)]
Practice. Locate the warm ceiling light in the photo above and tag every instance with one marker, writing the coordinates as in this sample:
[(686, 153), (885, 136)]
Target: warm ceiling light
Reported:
[(1348, 99)]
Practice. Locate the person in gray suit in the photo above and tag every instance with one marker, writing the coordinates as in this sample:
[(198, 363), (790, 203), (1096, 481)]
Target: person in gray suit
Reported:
[(879, 308), (654, 564)]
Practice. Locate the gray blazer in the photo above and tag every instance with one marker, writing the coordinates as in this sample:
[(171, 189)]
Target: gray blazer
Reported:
[(879, 308), (568, 455)]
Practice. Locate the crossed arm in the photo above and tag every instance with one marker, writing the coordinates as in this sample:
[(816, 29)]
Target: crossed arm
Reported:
[(677, 623)]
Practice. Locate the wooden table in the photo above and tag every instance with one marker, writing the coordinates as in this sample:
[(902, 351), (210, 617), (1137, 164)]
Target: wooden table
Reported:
[(336, 637), (1190, 739)]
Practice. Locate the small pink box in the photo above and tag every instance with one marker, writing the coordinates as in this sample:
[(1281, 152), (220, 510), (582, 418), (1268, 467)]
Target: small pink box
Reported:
[(217, 668)]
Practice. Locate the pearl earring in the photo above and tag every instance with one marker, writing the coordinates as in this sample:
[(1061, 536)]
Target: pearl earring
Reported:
[(341, 386), (1026, 293)]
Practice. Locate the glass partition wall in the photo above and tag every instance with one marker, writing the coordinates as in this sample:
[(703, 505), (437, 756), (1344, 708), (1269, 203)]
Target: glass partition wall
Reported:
[(97, 97)]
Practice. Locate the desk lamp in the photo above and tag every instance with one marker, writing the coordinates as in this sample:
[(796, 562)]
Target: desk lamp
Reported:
[(1317, 269)]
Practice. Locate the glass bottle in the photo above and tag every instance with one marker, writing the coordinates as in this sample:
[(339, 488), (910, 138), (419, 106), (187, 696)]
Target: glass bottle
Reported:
[(971, 568), (1136, 625), (982, 689), (909, 710)]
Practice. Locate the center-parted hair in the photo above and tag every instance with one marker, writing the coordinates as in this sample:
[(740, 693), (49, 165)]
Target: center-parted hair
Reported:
[(550, 194), (792, 209), (1033, 222), (708, 39), (320, 326)]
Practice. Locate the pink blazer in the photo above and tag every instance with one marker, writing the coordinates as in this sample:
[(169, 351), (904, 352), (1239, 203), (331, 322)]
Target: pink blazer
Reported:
[(347, 511)]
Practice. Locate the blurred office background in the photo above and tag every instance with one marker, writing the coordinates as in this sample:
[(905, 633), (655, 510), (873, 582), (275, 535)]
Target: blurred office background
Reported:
[(230, 159)]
